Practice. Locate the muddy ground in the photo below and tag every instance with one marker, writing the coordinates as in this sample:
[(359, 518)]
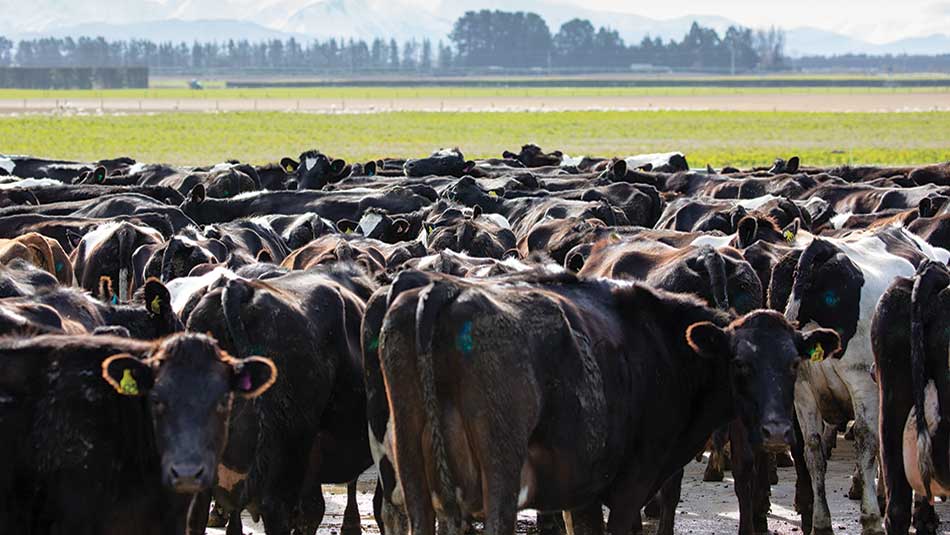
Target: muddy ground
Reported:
[(706, 508), (831, 102)]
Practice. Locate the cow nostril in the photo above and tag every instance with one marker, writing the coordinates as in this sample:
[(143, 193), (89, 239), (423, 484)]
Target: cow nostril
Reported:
[(200, 472), (173, 472)]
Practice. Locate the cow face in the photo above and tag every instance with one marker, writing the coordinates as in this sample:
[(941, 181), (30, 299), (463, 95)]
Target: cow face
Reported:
[(189, 382), (826, 290), (228, 183), (315, 170), (444, 162), (764, 352)]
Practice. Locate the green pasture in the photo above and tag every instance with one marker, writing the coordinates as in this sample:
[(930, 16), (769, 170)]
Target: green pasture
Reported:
[(717, 138)]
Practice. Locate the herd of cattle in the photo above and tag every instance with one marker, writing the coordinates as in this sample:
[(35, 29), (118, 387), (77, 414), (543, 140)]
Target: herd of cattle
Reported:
[(529, 332)]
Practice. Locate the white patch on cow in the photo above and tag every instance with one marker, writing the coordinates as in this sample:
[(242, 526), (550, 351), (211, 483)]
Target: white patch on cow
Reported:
[(7, 164), (655, 159), (309, 164), (571, 161), (498, 219), (17, 318), (839, 220), (424, 236), (445, 153), (137, 168), (181, 289), (123, 284), (92, 239), (754, 204), (31, 183), (369, 222), (931, 251), (224, 166), (247, 195), (716, 242)]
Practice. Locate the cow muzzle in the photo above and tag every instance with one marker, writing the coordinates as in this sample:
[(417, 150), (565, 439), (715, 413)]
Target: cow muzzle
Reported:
[(188, 478), (777, 435)]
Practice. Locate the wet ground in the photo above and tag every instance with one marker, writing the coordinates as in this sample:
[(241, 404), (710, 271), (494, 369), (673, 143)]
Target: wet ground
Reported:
[(705, 508)]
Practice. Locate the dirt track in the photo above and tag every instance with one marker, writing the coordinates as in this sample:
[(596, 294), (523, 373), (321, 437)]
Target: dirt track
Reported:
[(706, 508), (831, 102)]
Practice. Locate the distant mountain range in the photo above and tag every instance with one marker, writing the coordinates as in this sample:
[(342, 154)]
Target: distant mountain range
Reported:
[(219, 20)]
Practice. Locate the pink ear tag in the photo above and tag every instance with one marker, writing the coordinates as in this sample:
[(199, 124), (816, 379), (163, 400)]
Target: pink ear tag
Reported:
[(244, 382)]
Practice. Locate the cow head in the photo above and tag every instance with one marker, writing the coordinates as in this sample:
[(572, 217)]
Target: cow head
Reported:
[(826, 290), (764, 352), (189, 383), (315, 169), (443, 162)]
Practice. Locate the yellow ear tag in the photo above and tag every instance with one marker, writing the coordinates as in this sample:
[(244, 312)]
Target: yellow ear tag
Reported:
[(817, 353), (614, 236), (290, 169), (127, 384), (348, 231), (789, 236), (492, 194), (156, 305)]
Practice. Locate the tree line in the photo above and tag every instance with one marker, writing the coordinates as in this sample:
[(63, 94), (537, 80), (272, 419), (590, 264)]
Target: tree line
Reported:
[(479, 39)]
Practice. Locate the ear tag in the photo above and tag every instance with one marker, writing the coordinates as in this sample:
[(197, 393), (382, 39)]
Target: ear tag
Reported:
[(348, 231), (115, 300), (614, 236), (817, 353), (492, 194), (464, 341), (127, 384), (789, 236), (374, 343), (156, 305), (59, 267), (289, 168), (227, 193)]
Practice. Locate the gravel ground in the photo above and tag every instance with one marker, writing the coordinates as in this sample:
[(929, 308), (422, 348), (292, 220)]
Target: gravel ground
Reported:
[(831, 102), (705, 508)]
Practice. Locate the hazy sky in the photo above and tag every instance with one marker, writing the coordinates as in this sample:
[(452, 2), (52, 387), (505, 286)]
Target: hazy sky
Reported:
[(873, 20)]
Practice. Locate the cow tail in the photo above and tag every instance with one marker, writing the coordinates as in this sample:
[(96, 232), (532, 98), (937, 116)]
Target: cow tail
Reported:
[(931, 278), (716, 267), (232, 298), (432, 299)]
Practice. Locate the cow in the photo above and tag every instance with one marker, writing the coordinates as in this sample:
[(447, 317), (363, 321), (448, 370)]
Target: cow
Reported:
[(111, 435), (443, 162), (44, 253), (580, 412), (310, 427), (314, 170), (909, 339), (531, 155), (836, 283), (117, 250)]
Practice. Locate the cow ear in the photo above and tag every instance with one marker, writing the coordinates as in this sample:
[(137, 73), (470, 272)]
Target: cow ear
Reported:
[(508, 155), (347, 226), (252, 376), (620, 169), (198, 194), (710, 170), (400, 226), (790, 231), (469, 165), (819, 344), (337, 165), (128, 375), (369, 168), (748, 228), (791, 166), (289, 165), (476, 211), (158, 300), (707, 339), (99, 175), (264, 256), (574, 262)]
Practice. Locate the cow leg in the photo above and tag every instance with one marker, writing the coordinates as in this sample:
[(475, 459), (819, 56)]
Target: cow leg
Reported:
[(585, 521), (762, 491), (378, 507), (857, 483), (925, 517), (896, 402), (653, 508), (829, 438), (551, 524), (669, 497), (716, 466), (235, 524), (351, 516), (864, 396), (217, 517), (809, 417), (803, 493), (198, 513), (743, 472)]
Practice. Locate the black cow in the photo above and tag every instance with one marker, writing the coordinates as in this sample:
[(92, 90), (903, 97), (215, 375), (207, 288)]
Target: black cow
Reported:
[(443, 162), (116, 456), (600, 423), (314, 170)]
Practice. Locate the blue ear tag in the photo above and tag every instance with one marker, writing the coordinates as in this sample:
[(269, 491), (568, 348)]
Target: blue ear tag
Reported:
[(115, 300), (374, 343), (59, 267), (831, 299), (464, 341)]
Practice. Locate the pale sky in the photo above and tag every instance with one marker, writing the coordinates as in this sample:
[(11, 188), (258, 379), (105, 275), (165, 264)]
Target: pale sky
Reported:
[(877, 21)]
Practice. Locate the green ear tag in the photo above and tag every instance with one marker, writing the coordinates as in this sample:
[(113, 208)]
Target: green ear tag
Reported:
[(127, 384), (156, 305), (817, 353), (492, 194), (349, 231), (789, 236)]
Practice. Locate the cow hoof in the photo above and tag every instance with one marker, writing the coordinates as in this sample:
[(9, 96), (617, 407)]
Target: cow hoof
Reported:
[(871, 525), (652, 509), (351, 530), (712, 474), (823, 531), (773, 475)]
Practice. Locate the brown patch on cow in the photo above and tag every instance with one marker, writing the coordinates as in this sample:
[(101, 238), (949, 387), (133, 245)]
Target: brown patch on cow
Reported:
[(228, 479)]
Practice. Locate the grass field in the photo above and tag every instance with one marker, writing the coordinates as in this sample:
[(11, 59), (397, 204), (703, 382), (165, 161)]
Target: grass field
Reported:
[(718, 138), (338, 93)]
